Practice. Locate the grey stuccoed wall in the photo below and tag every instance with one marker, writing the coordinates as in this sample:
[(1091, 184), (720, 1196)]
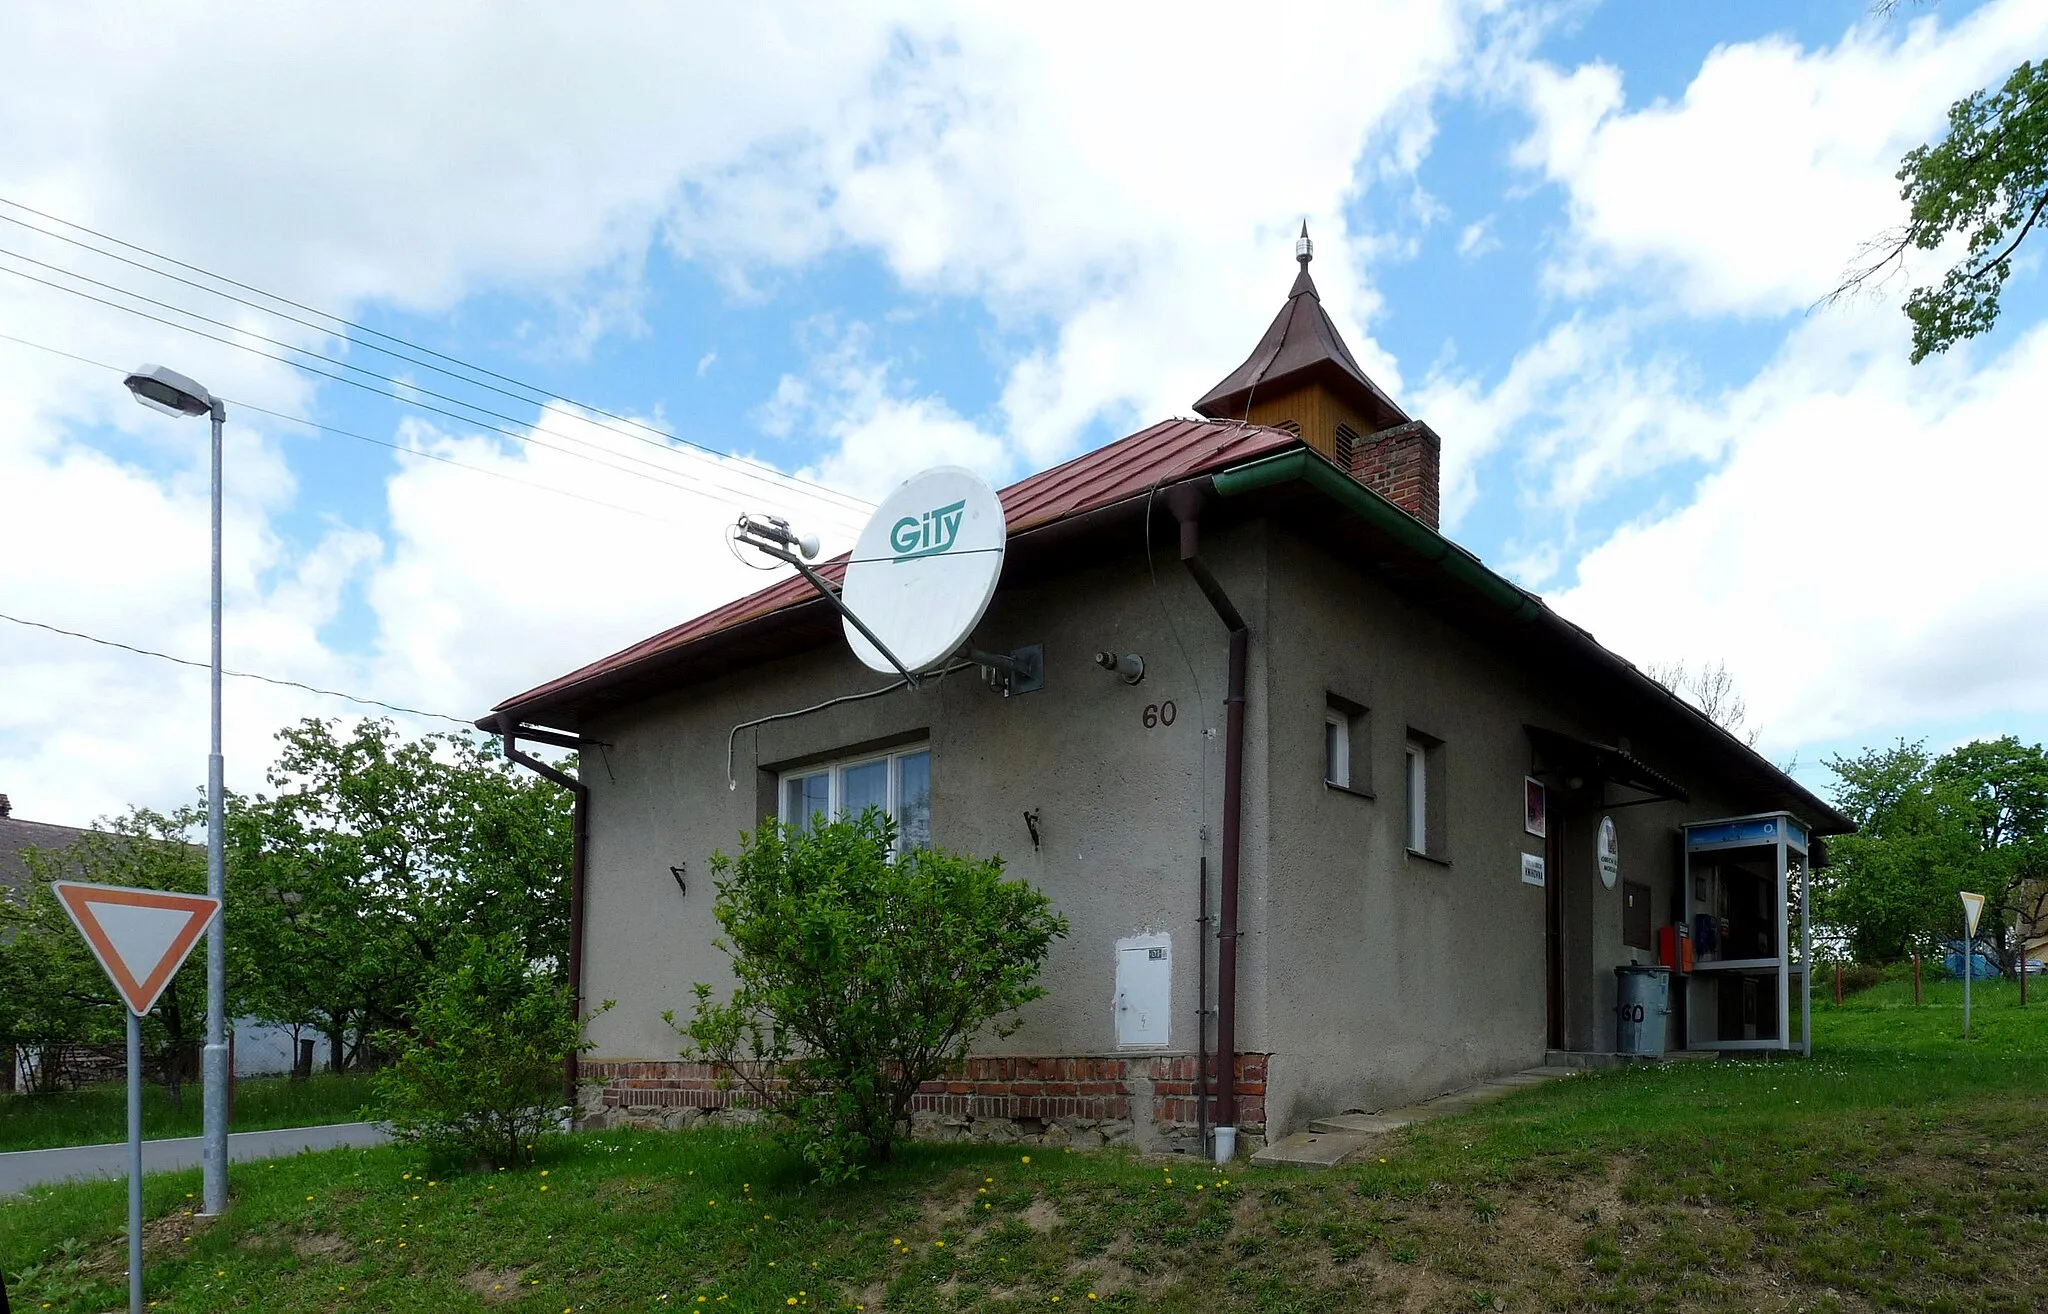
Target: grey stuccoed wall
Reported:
[(1372, 977)]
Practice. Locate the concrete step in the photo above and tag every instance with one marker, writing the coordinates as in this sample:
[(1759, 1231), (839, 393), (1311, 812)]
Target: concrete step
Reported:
[(1328, 1140), (1359, 1124), (1310, 1149)]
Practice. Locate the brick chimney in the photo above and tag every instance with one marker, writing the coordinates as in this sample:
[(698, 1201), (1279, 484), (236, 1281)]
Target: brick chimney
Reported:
[(1402, 464)]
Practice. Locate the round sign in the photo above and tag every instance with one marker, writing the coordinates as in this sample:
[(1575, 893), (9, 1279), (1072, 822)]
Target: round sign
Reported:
[(924, 569), (1610, 853)]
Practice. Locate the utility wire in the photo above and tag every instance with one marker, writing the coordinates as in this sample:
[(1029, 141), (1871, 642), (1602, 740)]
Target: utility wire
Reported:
[(330, 360), (726, 495), (538, 396), (400, 448), (240, 675)]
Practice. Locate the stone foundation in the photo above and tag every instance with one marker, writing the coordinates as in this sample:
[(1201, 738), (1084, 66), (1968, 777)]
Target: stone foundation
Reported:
[(1147, 1103)]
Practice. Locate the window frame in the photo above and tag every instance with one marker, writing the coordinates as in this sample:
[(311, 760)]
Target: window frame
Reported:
[(1352, 726), (1425, 812), (1415, 781), (834, 771), (1336, 748)]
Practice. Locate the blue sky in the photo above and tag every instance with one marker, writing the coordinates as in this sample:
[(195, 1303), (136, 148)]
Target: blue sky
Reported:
[(1582, 240)]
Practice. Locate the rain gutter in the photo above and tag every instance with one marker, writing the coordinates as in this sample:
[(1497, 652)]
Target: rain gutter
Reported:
[(1185, 501)]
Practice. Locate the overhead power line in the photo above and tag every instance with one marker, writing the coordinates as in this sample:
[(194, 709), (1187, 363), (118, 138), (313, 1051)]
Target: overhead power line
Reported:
[(240, 675), (726, 494), (400, 448), (530, 393)]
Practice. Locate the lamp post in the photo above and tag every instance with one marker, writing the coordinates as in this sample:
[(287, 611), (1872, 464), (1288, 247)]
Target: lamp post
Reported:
[(172, 393)]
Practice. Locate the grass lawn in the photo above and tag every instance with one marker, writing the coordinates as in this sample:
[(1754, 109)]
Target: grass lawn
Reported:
[(100, 1113), (1900, 1168)]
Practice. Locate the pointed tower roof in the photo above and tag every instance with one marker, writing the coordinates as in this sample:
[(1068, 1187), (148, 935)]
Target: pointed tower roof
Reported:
[(1301, 346)]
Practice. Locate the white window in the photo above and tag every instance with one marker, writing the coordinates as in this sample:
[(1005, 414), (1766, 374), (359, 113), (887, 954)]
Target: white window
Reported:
[(1418, 797), (1347, 745), (900, 784)]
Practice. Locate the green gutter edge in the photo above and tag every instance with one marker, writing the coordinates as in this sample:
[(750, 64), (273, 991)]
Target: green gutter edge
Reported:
[(1304, 466)]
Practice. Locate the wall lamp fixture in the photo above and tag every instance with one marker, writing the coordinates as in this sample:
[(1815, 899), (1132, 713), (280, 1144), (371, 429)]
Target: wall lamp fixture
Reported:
[(1130, 666)]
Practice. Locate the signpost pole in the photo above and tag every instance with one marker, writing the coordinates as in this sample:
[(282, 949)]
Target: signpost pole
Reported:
[(1973, 908), (134, 1163), (141, 939), (1969, 970)]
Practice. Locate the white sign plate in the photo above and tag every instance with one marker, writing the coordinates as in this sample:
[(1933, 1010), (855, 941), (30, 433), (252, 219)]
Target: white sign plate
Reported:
[(1973, 908), (141, 937), (1609, 853), (924, 569), (1532, 869)]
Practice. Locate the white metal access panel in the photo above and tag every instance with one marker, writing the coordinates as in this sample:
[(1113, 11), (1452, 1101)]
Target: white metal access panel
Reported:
[(1144, 989)]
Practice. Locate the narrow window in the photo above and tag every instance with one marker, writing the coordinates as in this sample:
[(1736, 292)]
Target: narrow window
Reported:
[(1428, 798), (1418, 797), (1347, 745)]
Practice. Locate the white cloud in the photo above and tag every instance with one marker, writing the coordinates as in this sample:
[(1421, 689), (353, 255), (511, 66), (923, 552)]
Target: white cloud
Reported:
[(1752, 192), (493, 586), (1078, 169), (1583, 411), (1867, 558), (1478, 239)]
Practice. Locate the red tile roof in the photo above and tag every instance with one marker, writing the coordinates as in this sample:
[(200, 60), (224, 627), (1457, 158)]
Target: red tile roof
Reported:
[(1162, 454)]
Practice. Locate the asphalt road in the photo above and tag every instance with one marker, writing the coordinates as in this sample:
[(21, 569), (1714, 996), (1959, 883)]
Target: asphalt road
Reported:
[(25, 1168)]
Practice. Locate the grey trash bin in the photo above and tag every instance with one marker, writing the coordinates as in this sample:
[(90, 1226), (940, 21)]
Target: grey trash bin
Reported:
[(1642, 1002)]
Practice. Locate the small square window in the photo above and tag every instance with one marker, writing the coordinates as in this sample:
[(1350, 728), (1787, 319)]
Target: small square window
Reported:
[(1347, 745)]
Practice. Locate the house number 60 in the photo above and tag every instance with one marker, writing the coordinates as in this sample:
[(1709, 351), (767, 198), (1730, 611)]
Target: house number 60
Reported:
[(1158, 714)]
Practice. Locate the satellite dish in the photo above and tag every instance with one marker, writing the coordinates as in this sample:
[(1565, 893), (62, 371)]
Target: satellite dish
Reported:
[(924, 569)]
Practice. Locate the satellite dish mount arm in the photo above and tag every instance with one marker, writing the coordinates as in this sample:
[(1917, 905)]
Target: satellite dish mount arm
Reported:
[(753, 535)]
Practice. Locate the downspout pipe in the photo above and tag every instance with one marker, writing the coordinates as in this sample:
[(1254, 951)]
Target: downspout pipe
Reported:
[(579, 845), (1185, 502)]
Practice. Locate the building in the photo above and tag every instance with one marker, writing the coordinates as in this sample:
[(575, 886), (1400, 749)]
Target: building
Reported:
[(1349, 733), (261, 1049), (17, 836)]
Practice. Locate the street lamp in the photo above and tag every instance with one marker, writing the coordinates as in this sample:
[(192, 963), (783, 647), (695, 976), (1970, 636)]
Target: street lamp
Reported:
[(172, 393)]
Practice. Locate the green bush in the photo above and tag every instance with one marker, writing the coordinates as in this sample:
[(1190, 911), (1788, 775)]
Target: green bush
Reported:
[(1858, 977), (480, 1074), (863, 973)]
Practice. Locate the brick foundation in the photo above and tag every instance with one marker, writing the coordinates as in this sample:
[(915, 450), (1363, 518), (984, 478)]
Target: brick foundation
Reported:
[(1092, 1100)]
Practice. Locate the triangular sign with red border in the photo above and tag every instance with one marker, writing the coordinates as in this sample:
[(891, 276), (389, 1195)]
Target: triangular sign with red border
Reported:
[(141, 937)]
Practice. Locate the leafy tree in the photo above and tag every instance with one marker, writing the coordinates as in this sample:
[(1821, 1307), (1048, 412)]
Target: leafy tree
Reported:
[(863, 973), (53, 993), (1986, 182), (373, 856), (478, 1077), (1974, 818)]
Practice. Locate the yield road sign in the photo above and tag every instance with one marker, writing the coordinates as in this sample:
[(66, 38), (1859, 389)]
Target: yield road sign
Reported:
[(141, 937), (1973, 908)]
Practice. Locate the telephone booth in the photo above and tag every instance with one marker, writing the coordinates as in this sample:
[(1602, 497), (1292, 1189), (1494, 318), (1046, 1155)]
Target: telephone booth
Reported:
[(1748, 920)]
